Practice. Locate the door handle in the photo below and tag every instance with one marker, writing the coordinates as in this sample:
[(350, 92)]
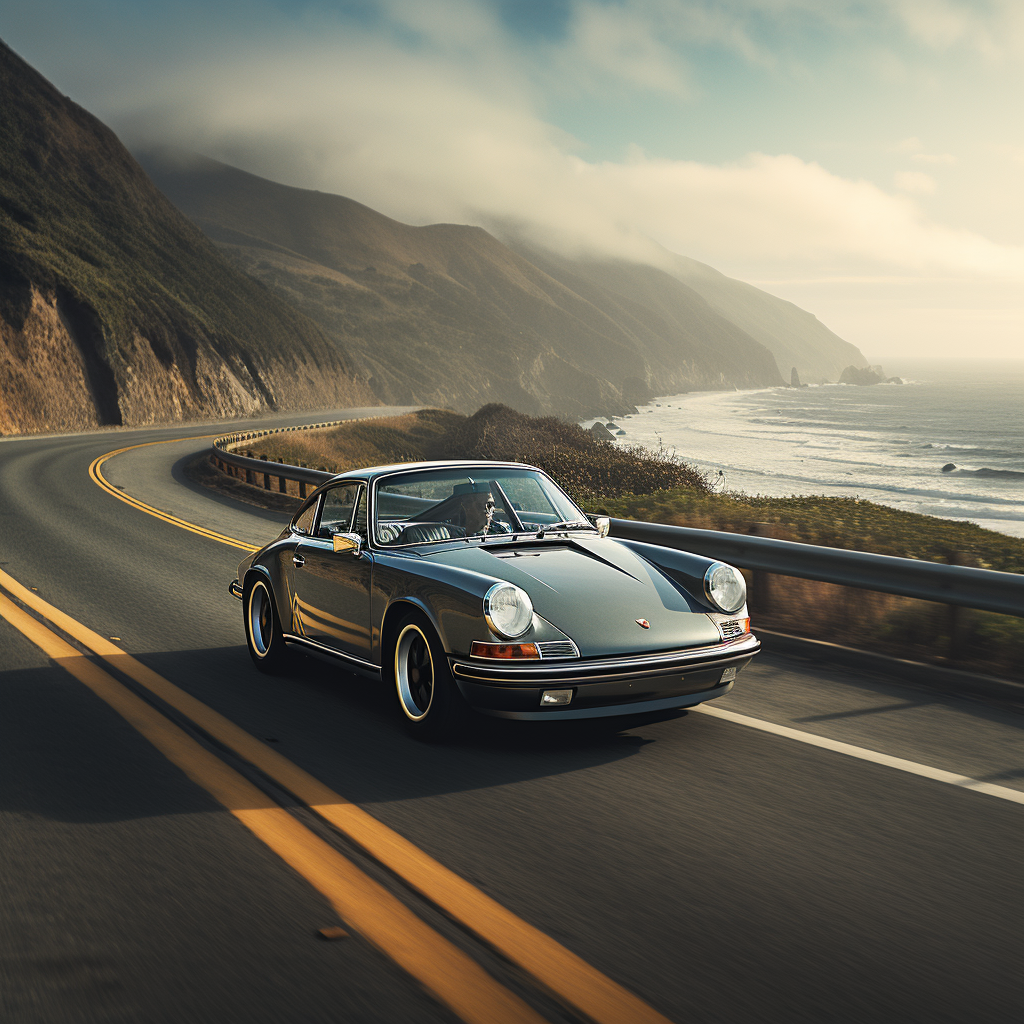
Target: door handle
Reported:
[(298, 561)]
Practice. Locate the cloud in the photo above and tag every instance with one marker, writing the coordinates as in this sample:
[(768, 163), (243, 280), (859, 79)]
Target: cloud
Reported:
[(435, 111), (992, 28), (935, 158), (622, 43), (423, 138), (915, 181), (914, 148)]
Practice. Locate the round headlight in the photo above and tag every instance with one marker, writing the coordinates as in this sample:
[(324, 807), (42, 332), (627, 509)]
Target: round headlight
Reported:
[(508, 610), (725, 587)]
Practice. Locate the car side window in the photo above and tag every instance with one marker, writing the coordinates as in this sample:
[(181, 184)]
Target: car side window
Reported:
[(303, 522), (336, 511)]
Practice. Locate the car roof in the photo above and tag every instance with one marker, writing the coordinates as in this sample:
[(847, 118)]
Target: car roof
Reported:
[(371, 472)]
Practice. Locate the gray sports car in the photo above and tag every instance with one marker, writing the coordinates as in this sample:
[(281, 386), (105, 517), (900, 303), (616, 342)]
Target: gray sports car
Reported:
[(481, 585)]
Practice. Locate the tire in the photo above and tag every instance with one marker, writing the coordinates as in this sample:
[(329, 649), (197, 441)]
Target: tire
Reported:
[(263, 633), (432, 707)]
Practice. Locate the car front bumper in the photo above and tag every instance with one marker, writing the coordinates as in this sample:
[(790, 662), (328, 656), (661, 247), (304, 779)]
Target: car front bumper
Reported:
[(603, 687)]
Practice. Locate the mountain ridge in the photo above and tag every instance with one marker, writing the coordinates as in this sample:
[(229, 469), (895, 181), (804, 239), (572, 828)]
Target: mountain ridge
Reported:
[(399, 297)]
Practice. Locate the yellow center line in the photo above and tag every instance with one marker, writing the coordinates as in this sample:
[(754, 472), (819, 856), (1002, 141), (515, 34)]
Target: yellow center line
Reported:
[(567, 977), (448, 974), (96, 473)]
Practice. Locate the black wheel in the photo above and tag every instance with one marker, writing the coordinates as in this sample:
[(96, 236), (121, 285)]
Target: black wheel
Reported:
[(263, 633), (432, 707)]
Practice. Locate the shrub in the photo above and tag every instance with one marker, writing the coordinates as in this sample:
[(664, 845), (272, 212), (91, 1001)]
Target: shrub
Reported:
[(586, 467)]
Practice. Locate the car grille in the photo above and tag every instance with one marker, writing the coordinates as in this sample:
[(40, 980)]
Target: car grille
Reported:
[(558, 649), (732, 629)]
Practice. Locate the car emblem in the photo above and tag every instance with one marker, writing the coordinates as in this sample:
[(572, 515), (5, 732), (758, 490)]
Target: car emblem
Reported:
[(642, 623)]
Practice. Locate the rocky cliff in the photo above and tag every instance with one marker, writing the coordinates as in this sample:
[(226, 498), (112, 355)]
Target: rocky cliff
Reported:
[(114, 308)]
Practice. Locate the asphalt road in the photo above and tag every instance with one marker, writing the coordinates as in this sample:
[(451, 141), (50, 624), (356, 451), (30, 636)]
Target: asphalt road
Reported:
[(719, 872)]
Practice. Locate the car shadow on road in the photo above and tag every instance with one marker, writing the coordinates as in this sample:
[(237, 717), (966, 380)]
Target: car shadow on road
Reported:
[(347, 730), (68, 756)]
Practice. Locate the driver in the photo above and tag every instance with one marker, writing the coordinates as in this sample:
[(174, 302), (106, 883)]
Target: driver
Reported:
[(476, 509)]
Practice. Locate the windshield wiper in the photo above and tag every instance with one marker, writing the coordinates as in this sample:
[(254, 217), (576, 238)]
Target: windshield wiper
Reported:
[(565, 524)]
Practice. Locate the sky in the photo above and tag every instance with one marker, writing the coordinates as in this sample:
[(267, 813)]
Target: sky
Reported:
[(861, 158)]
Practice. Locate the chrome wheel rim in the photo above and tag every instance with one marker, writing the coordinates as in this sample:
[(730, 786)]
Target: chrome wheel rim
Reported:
[(261, 619), (414, 672)]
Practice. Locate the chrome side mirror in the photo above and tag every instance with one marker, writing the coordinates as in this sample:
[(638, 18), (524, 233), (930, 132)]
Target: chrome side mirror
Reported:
[(351, 542), (603, 525)]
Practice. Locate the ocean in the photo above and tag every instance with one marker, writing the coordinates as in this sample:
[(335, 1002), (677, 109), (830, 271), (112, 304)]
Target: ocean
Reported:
[(887, 443)]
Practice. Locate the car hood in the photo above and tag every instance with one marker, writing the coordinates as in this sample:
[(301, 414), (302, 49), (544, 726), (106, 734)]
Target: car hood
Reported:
[(594, 590)]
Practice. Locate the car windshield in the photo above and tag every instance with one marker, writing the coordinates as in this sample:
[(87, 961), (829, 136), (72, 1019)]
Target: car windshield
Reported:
[(431, 505)]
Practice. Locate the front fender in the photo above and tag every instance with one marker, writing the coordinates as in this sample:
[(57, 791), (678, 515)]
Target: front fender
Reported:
[(455, 613)]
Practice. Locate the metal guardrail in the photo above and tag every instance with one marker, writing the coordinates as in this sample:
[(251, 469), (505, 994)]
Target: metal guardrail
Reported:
[(959, 585), (223, 457), (964, 586)]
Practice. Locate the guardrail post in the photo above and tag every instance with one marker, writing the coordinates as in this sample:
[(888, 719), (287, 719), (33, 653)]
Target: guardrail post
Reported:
[(759, 599), (266, 476)]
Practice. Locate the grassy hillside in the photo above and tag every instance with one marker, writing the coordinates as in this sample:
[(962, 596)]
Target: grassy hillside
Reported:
[(94, 257), (448, 315)]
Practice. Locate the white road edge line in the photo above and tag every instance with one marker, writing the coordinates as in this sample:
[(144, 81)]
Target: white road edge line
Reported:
[(863, 754)]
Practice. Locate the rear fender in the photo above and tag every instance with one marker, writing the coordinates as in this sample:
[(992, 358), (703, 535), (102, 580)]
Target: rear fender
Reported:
[(261, 572)]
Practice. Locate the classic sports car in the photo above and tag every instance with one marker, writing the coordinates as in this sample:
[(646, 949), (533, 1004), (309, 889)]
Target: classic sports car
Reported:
[(481, 585)]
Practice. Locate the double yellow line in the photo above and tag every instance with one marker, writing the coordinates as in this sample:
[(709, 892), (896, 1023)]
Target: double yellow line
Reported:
[(96, 473), (451, 976)]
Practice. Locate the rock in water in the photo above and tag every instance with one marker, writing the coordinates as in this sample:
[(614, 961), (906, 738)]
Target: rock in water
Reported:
[(949, 467), (861, 375), (794, 378), (601, 432)]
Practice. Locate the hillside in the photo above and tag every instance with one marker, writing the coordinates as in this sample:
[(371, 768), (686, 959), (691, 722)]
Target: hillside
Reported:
[(448, 315), (793, 336), (114, 308)]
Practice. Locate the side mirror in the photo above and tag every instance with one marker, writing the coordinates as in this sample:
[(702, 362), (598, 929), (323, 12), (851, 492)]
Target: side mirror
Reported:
[(351, 542), (603, 525)]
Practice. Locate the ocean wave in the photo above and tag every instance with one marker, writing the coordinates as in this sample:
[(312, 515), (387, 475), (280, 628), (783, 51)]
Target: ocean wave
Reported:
[(864, 488), (988, 473), (966, 512)]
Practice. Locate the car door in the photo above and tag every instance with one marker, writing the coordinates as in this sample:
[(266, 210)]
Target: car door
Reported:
[(331, 589)]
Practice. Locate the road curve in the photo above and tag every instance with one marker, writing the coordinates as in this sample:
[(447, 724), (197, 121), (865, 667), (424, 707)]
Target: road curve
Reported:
[(719, 872)]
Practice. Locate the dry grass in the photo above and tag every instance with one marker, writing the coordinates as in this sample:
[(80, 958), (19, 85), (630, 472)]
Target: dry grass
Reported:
[(356, 445), (586, 467), (899, 626)]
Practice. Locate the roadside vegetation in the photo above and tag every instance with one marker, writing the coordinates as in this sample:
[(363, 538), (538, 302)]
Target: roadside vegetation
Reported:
[(635, 483)]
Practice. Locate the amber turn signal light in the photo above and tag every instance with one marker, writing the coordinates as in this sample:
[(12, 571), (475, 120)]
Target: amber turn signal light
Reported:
[(482, 650)]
